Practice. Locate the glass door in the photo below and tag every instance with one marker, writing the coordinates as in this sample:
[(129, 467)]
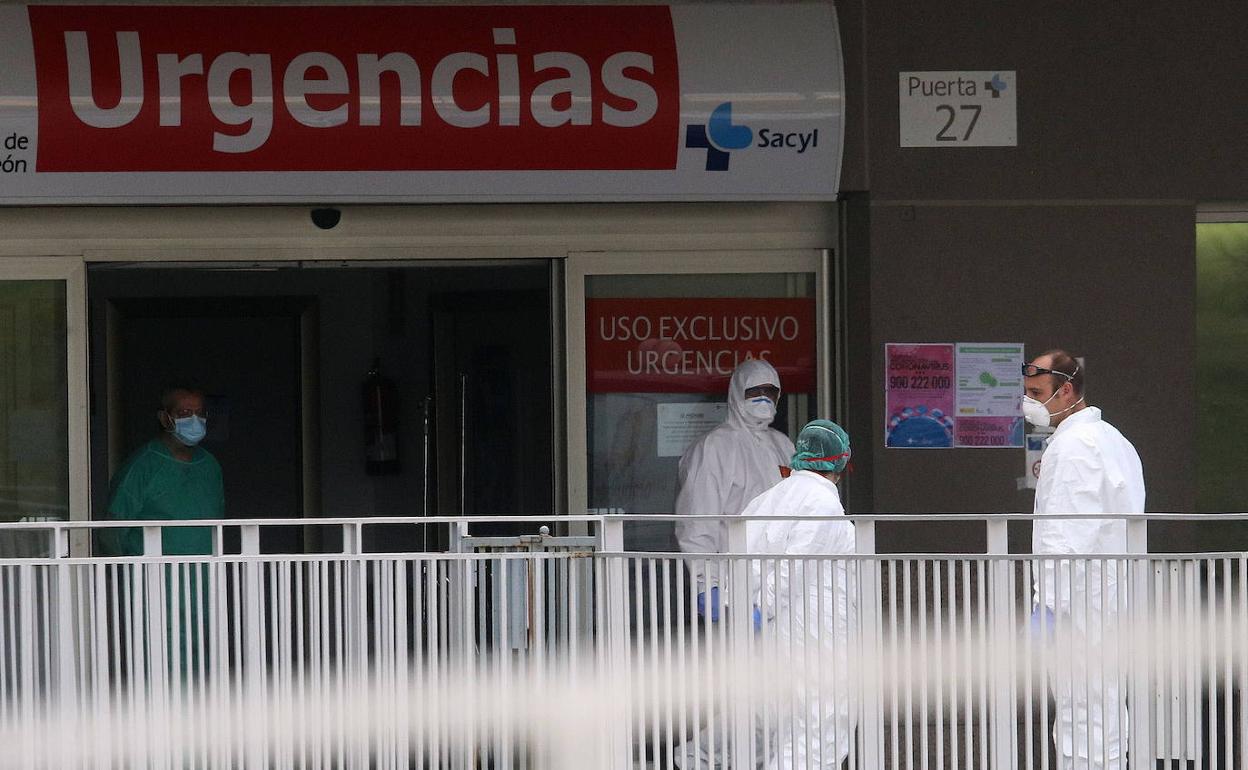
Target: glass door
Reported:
[(652, 341), (43, 412)]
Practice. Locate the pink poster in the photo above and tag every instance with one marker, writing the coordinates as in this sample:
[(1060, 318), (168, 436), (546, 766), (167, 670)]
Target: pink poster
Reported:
[(919, 396)]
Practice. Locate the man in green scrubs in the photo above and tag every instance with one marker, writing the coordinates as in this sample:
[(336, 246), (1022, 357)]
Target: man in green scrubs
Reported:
[(172, 477), (169, 477)]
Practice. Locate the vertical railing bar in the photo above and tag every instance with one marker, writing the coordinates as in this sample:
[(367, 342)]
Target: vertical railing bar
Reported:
[(1096, 653), (985, 723), (177, 622), (895, 664), (84, 623), (654, 668), (1207, 617), (639, 663), (25, 675), (682, 681), (301, 683), (954, 664), (825, 690), (925, 706), (1028, 643), (910, 652), (1191, 582), (1228, 726), (938, 654), (1165, 637), (968, 668), (790, 689), (402, 687), (667, 739)]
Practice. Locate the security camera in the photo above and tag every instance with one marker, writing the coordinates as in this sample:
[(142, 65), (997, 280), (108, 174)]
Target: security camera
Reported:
[(326, 219)]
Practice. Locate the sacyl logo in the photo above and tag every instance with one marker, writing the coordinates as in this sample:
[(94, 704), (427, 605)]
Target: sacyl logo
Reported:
[(720, 136)]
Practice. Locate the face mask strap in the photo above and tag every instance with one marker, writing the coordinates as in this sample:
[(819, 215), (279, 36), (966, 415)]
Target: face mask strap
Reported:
[(1067, 409)]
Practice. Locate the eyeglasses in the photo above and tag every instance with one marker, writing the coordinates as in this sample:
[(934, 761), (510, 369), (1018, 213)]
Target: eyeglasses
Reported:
[(771, 391), (1031, 370)]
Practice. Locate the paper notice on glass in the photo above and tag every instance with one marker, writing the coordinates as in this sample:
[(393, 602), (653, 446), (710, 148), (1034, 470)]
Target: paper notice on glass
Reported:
[(679, 425), (989, 394)]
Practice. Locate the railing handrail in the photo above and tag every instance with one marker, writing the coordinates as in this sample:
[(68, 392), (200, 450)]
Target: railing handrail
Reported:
[(368, 521)]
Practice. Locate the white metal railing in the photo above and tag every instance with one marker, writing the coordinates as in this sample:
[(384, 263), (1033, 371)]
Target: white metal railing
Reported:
[(568, 651)]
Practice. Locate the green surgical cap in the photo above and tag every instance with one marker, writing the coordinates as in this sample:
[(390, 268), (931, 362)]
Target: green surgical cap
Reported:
[(821, 446)]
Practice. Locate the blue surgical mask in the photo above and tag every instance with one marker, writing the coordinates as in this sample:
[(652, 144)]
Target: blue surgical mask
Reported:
[(190, 430)]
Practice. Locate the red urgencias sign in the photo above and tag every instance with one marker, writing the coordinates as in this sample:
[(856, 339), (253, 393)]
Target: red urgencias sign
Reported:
[(355, 88)]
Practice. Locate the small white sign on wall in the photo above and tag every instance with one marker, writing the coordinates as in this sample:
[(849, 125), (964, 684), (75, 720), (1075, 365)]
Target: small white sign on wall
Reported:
[(958, 108)]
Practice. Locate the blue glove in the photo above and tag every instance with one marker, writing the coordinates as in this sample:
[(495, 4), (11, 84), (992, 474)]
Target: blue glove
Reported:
[(1049, 620), (714, 604), (758, 619)]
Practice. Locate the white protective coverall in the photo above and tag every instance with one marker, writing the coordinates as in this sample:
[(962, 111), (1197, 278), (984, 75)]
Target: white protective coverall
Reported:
[(726, 468), (1088, 467), (811, 607)]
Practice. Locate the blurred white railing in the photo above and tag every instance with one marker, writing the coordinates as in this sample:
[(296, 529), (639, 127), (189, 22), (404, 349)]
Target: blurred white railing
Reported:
[(567, 651)]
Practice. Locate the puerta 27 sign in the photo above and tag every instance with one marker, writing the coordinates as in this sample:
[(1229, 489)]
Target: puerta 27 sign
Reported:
[(692, 345), (416, 103)]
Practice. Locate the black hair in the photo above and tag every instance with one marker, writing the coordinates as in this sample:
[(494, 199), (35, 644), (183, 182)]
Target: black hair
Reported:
[(167, 393)]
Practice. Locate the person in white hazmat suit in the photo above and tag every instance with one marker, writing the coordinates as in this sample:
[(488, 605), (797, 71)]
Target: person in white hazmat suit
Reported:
[(1087, 467), (809, 605), (725, 469), (718, 475)]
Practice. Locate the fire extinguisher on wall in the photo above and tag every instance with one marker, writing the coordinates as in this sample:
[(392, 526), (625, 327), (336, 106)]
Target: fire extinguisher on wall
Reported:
[(381, 423)]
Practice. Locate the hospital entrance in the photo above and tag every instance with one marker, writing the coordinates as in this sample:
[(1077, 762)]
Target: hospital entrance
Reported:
[(336, 389)]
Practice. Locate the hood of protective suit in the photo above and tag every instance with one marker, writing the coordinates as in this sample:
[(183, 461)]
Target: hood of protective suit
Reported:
[(748, 375)]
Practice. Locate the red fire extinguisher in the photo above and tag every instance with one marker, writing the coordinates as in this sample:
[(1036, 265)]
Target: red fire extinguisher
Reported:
[(381, 423)]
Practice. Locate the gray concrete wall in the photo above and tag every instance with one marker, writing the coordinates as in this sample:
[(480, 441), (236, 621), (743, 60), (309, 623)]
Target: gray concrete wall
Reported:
[(1083, 236)]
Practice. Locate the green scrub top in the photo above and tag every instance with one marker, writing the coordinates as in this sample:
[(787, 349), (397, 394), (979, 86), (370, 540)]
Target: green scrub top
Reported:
[(153, 484)]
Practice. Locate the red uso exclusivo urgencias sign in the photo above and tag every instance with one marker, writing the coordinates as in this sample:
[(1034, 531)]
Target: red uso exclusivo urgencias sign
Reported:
[(692, 345), (264, 88), (163, 103)]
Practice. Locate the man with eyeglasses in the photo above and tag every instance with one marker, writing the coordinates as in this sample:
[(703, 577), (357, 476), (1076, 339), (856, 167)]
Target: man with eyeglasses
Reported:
[(1087, 467), (169, 477)]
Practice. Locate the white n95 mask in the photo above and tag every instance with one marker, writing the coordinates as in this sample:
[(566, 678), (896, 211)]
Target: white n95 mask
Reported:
[(762, 408), (1035, 413)]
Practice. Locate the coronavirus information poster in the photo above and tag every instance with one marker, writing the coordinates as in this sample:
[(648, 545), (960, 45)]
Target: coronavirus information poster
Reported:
[(946, 395), (989, 395), (919, 396)]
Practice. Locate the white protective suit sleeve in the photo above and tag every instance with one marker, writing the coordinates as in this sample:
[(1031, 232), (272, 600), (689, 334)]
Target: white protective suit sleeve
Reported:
[(1088, 468)]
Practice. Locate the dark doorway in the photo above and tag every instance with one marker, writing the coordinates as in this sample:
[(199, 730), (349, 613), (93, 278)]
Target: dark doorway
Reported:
[(492, 396), (284, 351), (245, 354)]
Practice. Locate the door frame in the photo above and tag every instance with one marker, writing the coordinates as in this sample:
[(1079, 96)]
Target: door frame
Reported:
[(582, 265), (169, 236), (72, 271)]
